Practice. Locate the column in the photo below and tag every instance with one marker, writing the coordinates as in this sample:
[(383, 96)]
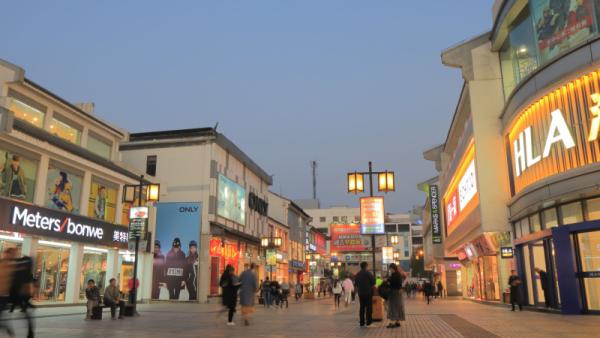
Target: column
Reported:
[(74, 275), (85, 193), (204, 268), (41, 177), (29, 246), (119, 208), (112, 266), (84, 137), (145, 272)]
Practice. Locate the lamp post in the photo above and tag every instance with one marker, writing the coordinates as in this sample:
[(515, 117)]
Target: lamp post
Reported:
[(267, 243), (129, 196), (356, 185)]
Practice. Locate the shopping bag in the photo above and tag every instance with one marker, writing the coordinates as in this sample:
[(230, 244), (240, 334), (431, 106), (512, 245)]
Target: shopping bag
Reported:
[(164, 293), (184, 294)]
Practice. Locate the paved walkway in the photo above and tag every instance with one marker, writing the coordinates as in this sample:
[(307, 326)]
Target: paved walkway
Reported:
[(443, 318)]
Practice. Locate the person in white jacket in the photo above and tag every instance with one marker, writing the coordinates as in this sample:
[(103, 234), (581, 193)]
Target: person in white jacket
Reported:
[(348, 287)]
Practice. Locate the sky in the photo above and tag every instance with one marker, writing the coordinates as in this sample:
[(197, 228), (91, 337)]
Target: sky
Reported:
[(341, 82)]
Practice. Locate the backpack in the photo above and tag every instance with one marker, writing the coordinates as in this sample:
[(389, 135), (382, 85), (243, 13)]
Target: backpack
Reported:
[(384, 290)]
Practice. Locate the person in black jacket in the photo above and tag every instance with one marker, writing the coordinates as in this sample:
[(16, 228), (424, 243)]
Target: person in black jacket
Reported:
[(428, 290), (545, 285), (395, 303), (229, 284), (515, 290), (364, 284), (174, 269), (22, 287)]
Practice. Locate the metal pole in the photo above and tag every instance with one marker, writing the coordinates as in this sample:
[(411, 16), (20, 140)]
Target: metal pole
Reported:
[(137, 246), (371, 194)]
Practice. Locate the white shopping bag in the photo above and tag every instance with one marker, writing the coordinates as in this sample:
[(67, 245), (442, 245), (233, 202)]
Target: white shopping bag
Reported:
[(184, 294), (164, 293)]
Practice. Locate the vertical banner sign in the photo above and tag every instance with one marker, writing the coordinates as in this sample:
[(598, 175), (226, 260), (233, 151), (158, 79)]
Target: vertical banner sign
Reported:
[(175, 267), (372, 216), (138, 222), (271, 257), (387, 254), (436, 229)]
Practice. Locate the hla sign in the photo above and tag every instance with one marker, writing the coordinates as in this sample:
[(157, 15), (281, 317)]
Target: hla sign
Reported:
[(524, 154)]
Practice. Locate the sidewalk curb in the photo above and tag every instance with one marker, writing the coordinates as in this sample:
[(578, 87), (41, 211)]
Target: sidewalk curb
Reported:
[(525, 307)]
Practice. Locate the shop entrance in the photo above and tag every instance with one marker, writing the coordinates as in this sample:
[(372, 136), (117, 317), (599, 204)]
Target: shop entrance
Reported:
[(541, 286), (51, 268)]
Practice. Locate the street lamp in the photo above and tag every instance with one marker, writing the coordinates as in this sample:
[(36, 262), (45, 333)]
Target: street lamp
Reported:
[(270, 242), (394, 239), (396, 255), (152, 195), (356, 185)]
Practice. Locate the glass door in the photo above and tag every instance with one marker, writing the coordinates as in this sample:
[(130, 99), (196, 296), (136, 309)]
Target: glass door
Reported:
[(51, 268), (588, 244)]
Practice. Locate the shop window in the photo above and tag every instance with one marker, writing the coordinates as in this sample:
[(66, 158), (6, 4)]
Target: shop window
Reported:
[(64, 190), (561, 25), (322, 219), (336, 219), (102, 203), (592, 208), (17, 176), (550, 218), (4, 245), (151, 165), (65, 130), (344, 219), (518, 56), (93, 267), (525, 226), (571, 213), (517, 227), (51, 269), (589, 256), (99, 147), (26, 112), (534, 222)]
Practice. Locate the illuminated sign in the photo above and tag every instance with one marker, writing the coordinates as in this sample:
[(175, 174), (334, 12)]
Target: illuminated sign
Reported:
[(556, 133), (346, 237), (227, 250), (29, 219), (436, 229), (506, 252), (387, 254), (461, 194), (372, 216)]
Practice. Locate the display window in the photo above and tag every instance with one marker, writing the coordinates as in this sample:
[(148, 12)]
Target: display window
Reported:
[(63, 190), (17, 176), (51, 269), (93, 267), (99, 147), (7, 244), (102, 202), (589, 258), (65, 130), (26, 112), (592, 209), (571, 213)]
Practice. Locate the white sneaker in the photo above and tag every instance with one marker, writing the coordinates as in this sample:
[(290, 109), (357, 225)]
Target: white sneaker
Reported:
[(230, 324)]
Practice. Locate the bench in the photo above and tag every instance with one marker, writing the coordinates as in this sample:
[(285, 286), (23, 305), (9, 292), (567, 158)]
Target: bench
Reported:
[(97, 310)]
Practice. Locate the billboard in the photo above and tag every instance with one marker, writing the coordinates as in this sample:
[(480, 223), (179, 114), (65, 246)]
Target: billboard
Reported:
[(64, 190), (175, 267), (102, 203), (436, 229), (17, 176), (347, 238), (231, 200), (372, 216)]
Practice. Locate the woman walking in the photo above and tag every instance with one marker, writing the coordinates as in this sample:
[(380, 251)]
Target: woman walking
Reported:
[(337, 293), (229, 284), (395, 301)]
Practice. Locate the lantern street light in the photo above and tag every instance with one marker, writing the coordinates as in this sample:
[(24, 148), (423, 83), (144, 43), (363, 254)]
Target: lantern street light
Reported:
[(385, 184), (396, 255), (394, 239), (270, 242), (152, 192)]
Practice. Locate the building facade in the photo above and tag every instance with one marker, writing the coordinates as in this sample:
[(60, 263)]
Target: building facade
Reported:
[(203, 167), (61, 183)]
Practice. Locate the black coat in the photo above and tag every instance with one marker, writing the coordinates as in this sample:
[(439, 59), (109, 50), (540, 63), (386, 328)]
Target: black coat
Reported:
[(229, 285), (515, 289)]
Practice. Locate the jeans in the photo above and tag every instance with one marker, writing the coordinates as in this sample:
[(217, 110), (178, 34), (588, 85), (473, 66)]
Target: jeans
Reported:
[(113, 307), (366, 309), (337, 298), (268, 298)]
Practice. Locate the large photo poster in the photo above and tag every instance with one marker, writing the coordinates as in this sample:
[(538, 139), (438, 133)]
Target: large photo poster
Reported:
[(17, 176), (102, 202), (561, 24), (175, 267), (64, 190), (231, 200)]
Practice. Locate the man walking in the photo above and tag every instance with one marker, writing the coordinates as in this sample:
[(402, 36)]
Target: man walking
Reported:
[(248, 292), (365, 283), (515, 290)]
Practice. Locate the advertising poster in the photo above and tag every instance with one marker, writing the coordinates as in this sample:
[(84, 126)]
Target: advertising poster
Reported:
[(231, 200), (560, 25), (347, 238), (102, 202), (372, 216), (175, 269), (17, 176), (64, 190), (387, 254)]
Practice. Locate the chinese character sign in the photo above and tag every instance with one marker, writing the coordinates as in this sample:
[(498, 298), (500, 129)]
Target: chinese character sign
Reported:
[(372, 216)]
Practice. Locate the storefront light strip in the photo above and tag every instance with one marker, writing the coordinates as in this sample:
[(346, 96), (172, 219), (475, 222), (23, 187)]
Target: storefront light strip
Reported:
[(89, 248), (11, 238), (125, 252), (50, 243)]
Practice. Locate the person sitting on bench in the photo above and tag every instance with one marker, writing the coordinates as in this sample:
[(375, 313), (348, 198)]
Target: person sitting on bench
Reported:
[(112, 298), (93, 298)]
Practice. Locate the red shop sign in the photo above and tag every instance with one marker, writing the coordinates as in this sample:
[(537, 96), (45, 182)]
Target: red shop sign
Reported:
[(228, 251)]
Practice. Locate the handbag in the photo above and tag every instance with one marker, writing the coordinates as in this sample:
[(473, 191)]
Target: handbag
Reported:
[(384, 290)]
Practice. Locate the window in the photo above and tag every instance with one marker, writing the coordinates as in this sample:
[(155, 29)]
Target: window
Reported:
[(17, 176), (534, 221), (550, 218), (571, 213), (99, 147), (322, 219), (357, 219), (336, 219), (151, 165), (525, 227), (344, 219), (28, 113), (593, 209), (65, 130), (64, 190)]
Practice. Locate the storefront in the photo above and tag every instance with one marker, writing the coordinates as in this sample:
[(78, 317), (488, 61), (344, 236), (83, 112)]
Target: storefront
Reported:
[(51, 236), (553, 151)]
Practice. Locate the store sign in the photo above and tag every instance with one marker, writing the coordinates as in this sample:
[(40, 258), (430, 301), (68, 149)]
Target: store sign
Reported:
[(461, 195), (372, 216), (298, 265), (553, 135), (346, 237), (231, 202), (258, 204), (506, 252), (29, 219), (387, 254), (320, 243), (436, 228)]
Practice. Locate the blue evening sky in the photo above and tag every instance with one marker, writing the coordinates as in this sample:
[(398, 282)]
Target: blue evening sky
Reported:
[(338, 81)]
